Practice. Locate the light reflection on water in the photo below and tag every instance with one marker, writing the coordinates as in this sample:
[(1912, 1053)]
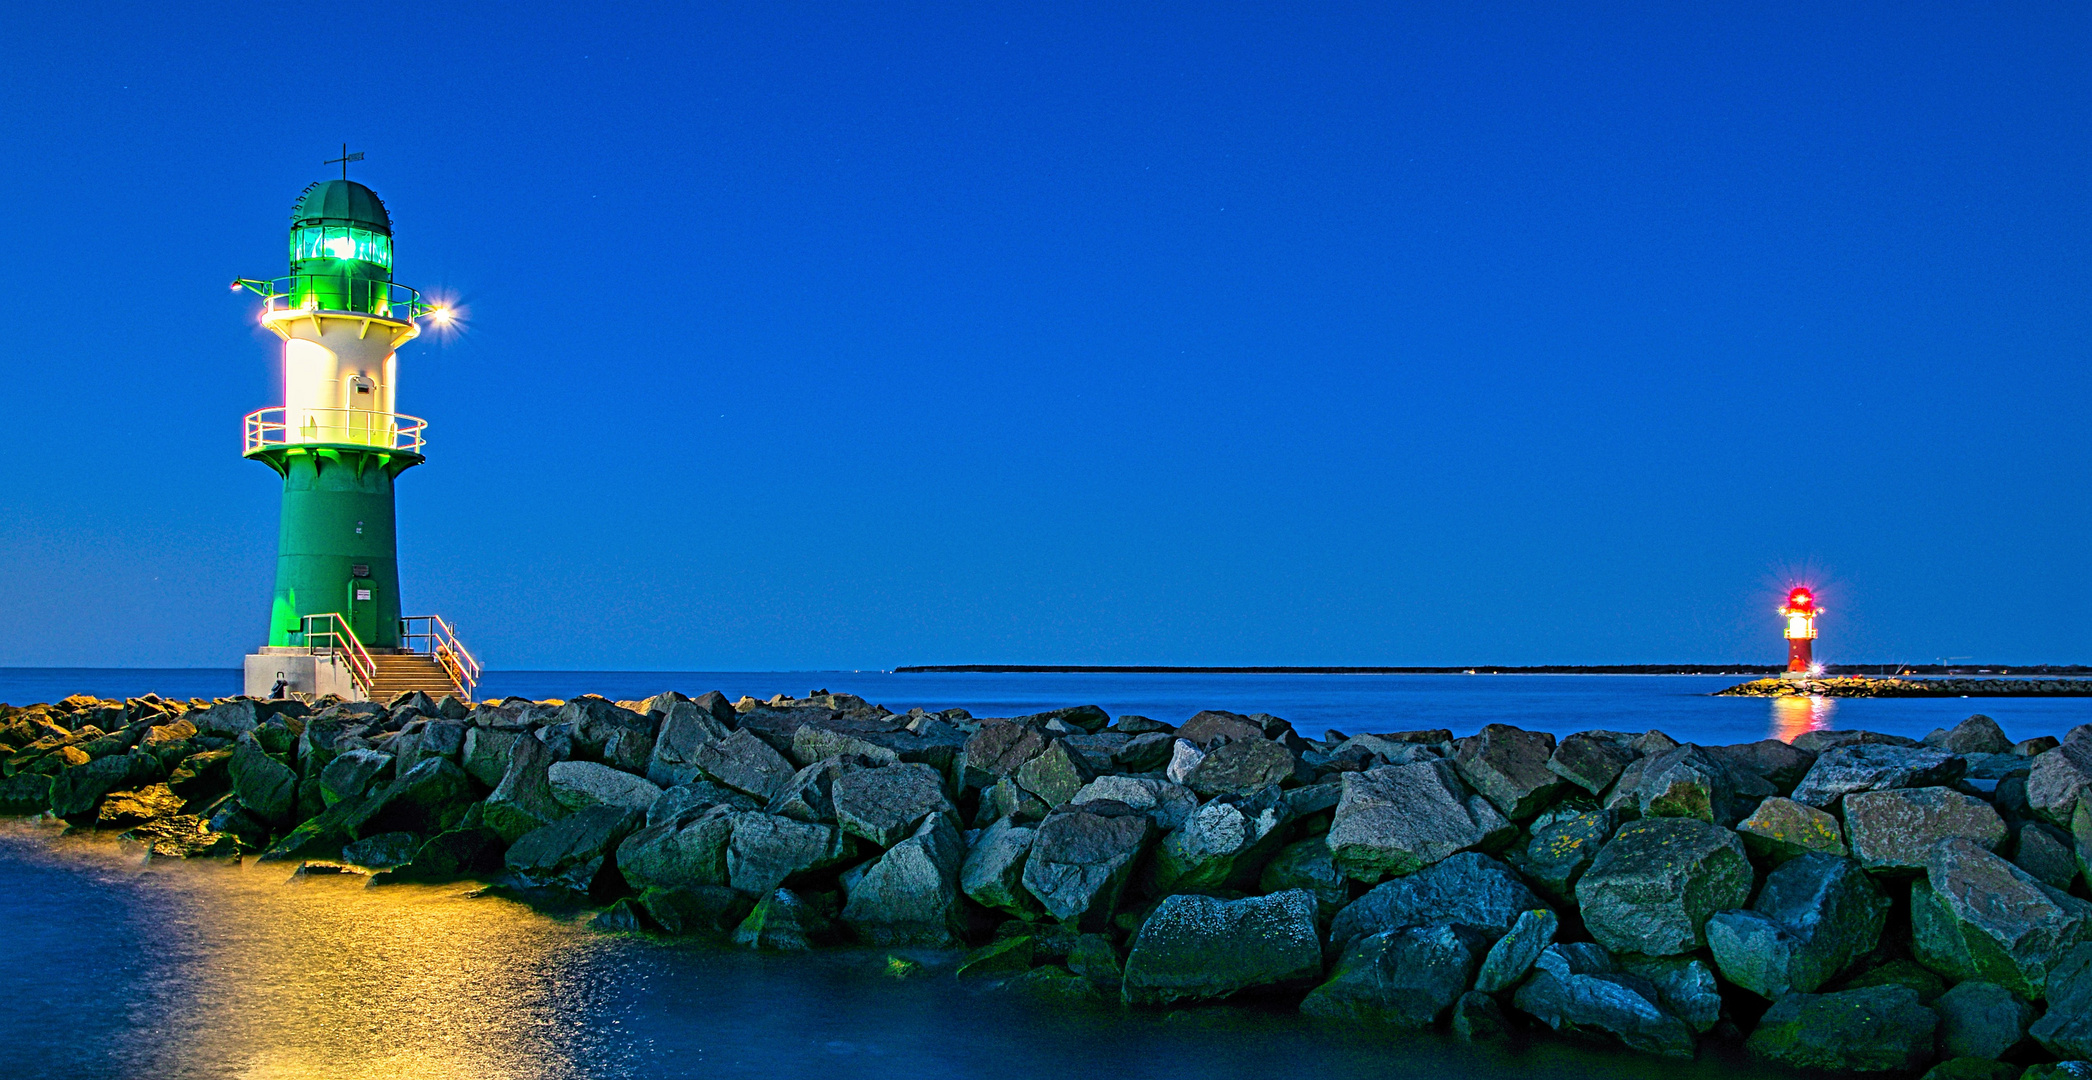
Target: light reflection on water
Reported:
[(1793, 716), (211, 970)]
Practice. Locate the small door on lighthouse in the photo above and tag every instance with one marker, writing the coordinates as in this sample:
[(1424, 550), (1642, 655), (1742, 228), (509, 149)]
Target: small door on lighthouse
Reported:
[(363, 607)]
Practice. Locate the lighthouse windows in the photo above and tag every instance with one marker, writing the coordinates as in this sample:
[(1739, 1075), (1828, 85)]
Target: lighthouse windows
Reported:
[(341, 242)]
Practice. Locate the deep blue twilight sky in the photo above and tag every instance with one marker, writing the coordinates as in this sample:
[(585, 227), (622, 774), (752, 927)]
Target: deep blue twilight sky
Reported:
[(859, 335)]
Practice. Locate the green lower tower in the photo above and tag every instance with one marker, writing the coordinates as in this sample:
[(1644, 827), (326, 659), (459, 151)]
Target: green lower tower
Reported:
[(335, 621)]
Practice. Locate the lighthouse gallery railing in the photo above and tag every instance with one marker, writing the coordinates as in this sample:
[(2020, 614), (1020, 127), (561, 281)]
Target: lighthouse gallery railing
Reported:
[(282, 426)]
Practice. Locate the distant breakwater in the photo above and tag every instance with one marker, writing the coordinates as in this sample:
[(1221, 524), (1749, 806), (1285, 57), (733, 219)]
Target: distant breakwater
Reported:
[(1910, 688), (1851, 901)]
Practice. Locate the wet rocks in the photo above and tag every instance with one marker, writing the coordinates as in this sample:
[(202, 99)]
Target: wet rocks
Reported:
[(523, 801), (1873, 1029), (2065, 1030), (1579, 993), (1396, 819), (1897, 829), (684, 852), (2059, 777), (1408, 978), (1981, 1019), (1592, 760), (1655, 884), (1081, 858), (1241, 767), (886, 804), (909, 896), (1469, 889), (993, 873), (1509, 767), (1842, 770), (1561, 850), (1976, 916), (1781, 829), (745, 763), (1687, 781), (266, 787), (767, 850), (1515, 953), (1194, 947), (1054, 774), (578, 785), (1307, 864), (1978, 734), (570, 853), (1813, 918), (1222, 843)]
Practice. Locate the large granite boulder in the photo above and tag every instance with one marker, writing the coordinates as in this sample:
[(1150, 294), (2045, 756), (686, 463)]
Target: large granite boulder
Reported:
[(2060, 777), (1814, 917), (579, 785), (782, 922), (767, 850), (1980, 1019), (887, 804), (1562, 848), (1978, 734), (523, 801), (426, 799), (267, 787), (999, 749), (1224, 844), (1842, 770), (2065, 1030), (1241, 767), (608, 733), (1897, 829), (1577, 992), (486, 751), (1685, 986), (573, 852), (910, 895), (1688, 781), (685, 852), (1396, 819), (745, 763), (1781, 829), (1509, 767), (1976, 916), (1469, 889), (1194, 947), (1872, 1029), (1081, 858), (694, 910), (1168, 805), (2047, 853), (993, 873), (1215, 726), (686, 728), (1407, 978), (1592, 760), (1656, 883), (1307, 864), (1780, 764), (1515, 953), (1054, 774)]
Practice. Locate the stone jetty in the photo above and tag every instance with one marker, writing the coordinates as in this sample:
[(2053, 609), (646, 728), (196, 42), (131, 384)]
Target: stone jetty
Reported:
[(1850, 902), (1862, 686)]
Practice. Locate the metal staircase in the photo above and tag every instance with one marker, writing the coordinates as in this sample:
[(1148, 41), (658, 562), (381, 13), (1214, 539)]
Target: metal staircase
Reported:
[(431, 660)]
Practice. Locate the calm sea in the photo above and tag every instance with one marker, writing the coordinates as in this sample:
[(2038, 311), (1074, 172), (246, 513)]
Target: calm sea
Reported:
[(1679, 705), (119, 968)]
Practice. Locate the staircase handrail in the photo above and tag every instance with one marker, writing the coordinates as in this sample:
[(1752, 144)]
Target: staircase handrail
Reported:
[(340, 642), (444, 646)]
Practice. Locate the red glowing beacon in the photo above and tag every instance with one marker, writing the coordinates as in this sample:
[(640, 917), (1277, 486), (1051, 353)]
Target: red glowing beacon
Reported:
[(1800, 611)]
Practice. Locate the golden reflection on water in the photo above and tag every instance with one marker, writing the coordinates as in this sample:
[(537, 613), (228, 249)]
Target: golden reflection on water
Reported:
[(1792, 716), (319, 976)]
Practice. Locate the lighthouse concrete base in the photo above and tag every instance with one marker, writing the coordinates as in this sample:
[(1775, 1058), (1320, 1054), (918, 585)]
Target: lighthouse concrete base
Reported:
[(301, 670)]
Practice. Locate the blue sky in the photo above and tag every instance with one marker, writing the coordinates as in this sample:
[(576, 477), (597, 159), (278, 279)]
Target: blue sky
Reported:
[(861, 335)]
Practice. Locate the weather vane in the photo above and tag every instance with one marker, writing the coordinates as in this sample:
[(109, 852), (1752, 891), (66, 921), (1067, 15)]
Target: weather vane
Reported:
[(344, 160)]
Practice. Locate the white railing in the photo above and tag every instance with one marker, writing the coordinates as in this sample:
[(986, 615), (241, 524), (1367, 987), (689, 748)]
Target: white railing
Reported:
[(440, 641), (281, 426)]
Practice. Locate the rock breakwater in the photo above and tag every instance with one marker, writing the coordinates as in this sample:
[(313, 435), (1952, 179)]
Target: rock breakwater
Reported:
[(1852, 902), (1860, 686)]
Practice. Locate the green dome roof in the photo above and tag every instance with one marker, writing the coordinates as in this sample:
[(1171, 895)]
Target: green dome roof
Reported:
[(341, 202)]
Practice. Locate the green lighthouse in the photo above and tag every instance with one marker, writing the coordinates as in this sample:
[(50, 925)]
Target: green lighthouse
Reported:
[(338, 443)]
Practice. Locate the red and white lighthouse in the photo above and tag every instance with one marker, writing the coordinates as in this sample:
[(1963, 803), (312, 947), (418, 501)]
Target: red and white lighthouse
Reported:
[(1800, 611)]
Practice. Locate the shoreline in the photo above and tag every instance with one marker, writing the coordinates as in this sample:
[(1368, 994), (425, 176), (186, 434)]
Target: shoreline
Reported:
[(1843, 687), (1628, 888)]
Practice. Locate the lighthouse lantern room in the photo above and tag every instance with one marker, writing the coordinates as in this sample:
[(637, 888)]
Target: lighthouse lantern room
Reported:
[(1800, 611), (338, 441)]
